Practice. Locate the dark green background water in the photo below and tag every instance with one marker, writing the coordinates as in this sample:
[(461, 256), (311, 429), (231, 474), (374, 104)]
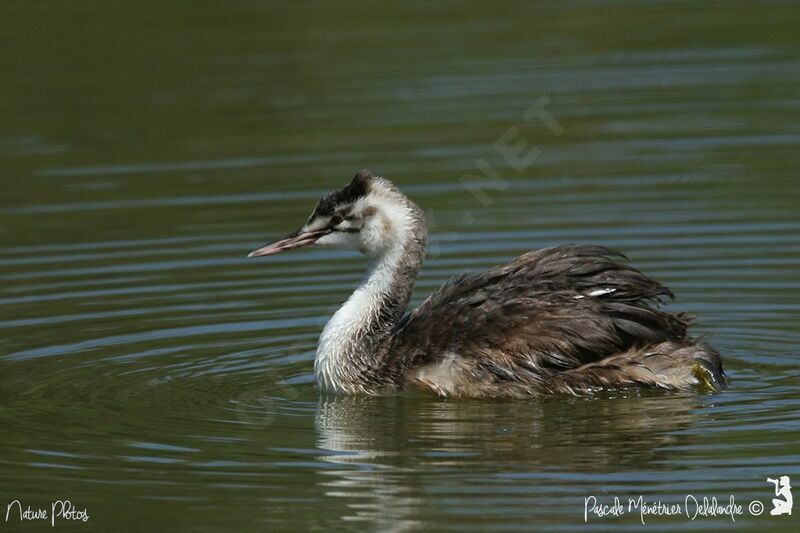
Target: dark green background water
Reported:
[(153, 375)]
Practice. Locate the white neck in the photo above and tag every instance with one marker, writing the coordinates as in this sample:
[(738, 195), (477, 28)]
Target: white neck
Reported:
[(350, 355), (340, 340)]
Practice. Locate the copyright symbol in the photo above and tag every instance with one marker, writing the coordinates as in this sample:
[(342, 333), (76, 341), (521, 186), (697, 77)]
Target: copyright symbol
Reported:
[(756, 508)]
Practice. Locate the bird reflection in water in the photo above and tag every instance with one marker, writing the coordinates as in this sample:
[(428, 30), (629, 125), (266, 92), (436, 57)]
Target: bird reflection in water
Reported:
[(385, 462)]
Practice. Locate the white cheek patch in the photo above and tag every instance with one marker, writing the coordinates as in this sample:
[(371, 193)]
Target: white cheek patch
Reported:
[(339, 239), (317, 224), (346, 225), (385, 226), (360, 205)]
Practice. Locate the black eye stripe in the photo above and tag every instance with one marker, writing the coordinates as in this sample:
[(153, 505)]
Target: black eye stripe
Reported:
[(338, 219)]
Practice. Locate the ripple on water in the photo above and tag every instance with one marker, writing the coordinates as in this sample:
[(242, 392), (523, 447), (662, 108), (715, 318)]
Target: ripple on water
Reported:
[(143, 358)]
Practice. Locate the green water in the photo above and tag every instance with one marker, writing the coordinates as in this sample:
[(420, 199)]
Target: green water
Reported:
[(154, 376)]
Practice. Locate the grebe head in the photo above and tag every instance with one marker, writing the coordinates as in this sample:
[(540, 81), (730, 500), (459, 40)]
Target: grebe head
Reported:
[(369, 215)]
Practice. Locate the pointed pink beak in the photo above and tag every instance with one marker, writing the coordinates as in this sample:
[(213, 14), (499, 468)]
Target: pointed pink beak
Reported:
[(298, 239)]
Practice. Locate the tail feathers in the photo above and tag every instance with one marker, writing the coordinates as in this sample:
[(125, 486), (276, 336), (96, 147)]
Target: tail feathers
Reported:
[(708, 368), (669, 365)]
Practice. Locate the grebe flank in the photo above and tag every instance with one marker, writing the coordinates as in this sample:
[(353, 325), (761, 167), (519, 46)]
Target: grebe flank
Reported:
[(564, 319)]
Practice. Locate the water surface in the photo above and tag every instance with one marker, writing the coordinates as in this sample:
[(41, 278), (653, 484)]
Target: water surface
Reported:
[(153, 375)]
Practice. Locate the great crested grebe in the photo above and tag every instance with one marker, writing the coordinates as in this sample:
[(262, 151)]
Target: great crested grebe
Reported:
[(561, 319)]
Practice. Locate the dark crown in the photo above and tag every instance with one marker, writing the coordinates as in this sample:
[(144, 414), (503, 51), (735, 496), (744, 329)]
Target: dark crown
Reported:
[(357, 188)]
